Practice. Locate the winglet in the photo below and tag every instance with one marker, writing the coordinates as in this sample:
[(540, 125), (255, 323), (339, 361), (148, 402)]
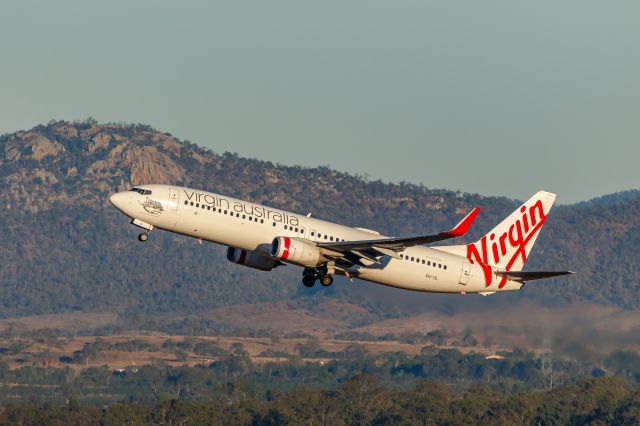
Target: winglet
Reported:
[(461, 228)]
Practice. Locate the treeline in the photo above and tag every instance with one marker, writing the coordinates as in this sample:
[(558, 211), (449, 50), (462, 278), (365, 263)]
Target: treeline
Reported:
[(224, 373), (363, 400)]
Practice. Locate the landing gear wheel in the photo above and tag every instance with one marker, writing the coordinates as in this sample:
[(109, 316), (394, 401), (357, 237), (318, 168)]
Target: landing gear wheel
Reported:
[(326, 280), (143, 237), (308, 281)]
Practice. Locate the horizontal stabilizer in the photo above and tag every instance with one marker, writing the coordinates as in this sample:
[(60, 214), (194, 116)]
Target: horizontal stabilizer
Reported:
[(532, 275)]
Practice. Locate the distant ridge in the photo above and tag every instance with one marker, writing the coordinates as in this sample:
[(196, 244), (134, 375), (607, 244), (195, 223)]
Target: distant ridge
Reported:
[(617, 197), (64, 248)]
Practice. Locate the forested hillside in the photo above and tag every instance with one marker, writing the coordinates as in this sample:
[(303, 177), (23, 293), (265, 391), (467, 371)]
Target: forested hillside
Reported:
[(64, 248)]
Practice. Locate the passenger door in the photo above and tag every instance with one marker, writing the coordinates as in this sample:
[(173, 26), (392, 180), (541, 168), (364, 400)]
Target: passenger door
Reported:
[(174, 195), (465, 272)]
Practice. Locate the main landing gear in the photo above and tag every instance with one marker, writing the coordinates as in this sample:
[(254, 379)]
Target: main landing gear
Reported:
[(308, 281), (311, 275), (326, 280)]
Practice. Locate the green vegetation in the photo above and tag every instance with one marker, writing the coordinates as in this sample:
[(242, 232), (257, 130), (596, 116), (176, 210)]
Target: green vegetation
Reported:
[(361, 400), (313, 367)]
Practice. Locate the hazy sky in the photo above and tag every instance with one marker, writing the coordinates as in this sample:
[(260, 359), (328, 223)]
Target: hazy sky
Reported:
[(497, 97)]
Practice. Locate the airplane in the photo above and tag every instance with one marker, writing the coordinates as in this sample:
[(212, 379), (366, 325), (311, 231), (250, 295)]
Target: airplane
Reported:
[(265, 238)]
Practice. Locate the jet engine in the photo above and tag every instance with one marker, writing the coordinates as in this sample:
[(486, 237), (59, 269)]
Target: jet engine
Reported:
[(296, 251), (251, 259)]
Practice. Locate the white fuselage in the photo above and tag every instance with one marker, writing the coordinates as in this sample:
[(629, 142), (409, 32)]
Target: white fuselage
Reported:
[(244, 225)]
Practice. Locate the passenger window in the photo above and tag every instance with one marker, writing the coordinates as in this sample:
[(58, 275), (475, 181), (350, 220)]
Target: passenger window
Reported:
[(439, 265), (285, 227), (244, 216), (312, 233), (274, 224), (423, 261), (445, 266), (209, 208), (225, 212), (331, 238), (261, 220), (296, 229), (192, 204), (301, 231)]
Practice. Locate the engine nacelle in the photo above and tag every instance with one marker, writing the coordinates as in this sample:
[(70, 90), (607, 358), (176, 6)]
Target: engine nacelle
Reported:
[(296, 251), (251, 259)]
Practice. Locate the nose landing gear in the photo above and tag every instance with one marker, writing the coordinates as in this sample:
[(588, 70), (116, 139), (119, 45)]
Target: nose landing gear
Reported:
[(147, 228)]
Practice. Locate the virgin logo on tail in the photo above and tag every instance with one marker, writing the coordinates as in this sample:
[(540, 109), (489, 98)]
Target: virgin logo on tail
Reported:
[(505, 249)]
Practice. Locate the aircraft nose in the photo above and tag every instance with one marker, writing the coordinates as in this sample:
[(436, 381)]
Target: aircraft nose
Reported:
[(118, 200)]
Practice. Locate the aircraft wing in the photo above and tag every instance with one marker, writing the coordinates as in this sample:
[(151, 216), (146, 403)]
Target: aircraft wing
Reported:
[(370, 249)]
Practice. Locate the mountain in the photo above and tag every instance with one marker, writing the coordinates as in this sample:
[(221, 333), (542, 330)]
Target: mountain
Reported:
[(64, 248)]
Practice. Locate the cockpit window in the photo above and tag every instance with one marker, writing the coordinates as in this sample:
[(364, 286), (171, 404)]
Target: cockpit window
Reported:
[(141, 191)]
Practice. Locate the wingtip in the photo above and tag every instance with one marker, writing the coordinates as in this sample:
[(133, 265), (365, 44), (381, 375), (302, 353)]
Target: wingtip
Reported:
[(461, 228)]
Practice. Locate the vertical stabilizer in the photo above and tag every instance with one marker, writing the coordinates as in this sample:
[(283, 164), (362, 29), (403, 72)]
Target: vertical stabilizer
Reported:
[(507, 246)]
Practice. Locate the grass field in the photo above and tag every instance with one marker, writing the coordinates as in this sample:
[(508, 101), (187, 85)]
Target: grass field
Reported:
[(585, 328)]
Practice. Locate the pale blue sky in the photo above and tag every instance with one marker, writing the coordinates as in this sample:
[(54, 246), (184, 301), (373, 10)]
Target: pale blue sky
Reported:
[(497, 97)]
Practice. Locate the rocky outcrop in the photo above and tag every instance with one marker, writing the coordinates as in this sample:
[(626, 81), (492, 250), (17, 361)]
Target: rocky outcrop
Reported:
[(77, 159), (99, 141), (31, 145)]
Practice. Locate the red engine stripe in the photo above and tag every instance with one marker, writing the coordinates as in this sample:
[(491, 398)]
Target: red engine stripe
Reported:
[(285, 250), (243, 255)]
